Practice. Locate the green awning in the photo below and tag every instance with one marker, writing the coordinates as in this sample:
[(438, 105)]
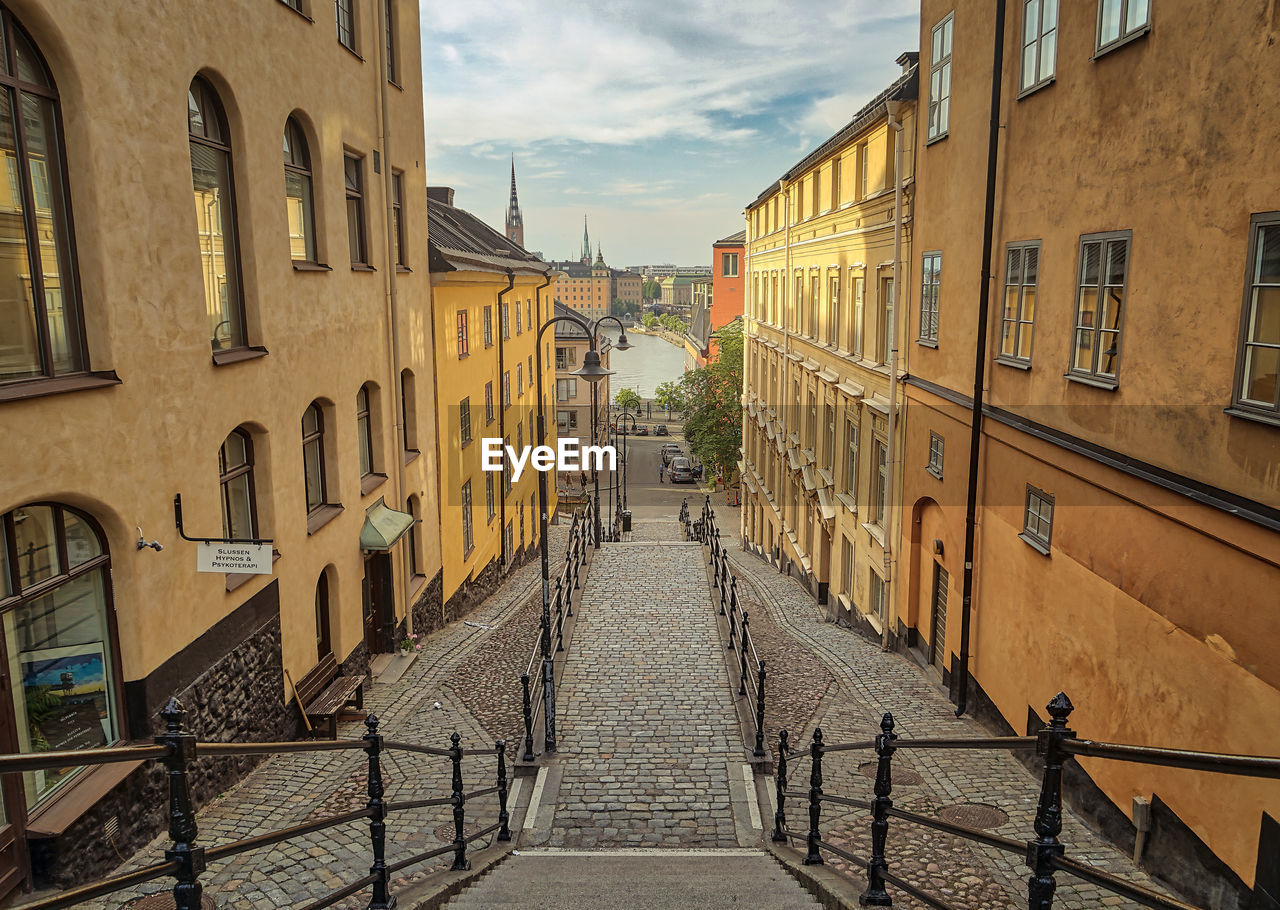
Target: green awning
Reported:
[(383, 526)]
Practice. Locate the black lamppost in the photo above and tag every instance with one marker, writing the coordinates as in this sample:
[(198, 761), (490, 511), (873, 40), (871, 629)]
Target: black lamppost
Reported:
[(592, 372), (622, 427)]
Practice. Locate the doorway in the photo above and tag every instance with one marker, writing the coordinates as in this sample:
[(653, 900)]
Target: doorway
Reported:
[(379, 608), (938, 632)]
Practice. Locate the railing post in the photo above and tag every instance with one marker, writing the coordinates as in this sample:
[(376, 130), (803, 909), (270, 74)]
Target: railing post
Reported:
[(377, 821), (758, 751), (528, 718), (812, 858), (559, 616), (732, 633), (724, 579), (1048, 823), (742, 661), (876, 895), (182, 817), (460, 861), (504, 817), (780, 790)]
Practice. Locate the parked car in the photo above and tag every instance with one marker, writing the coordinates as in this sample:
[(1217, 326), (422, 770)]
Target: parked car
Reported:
[(681, 470), (660, 430), (669, 451), (642, 430)]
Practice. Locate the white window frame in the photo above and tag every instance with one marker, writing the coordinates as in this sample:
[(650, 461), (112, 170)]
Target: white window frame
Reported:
[(1037, 520), (930, 290), (1126, 30), (1094, 374), (1039, 43), (1248, 345), (937, 450), (1016, 319), (940, 45)]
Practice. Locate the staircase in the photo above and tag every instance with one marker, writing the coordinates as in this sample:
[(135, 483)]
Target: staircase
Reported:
[(637, 880)]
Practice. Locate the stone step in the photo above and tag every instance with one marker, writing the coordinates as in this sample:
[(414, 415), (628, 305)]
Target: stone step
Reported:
[(637, 880)]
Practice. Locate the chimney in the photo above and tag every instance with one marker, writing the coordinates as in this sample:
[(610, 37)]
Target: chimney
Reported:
[(441, 194), (907, 60)]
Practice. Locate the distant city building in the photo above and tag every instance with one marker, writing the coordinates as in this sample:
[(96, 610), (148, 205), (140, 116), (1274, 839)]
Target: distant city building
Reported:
[(676, 295), (717, 300), (668, 270), (590, 287), (573, 395)]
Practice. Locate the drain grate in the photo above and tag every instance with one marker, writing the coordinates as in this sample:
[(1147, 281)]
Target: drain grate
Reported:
[(163, 900), (973, 815), (444, 833), (901, 776)]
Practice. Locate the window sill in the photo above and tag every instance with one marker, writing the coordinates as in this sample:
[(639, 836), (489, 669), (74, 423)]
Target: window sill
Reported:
[(299, 12), (875, 530), (1031, 90), (410, 455), (1121, 42), (1109, 384), (934, 471), (238, 355), (1015, 364), (394, 84), (322, 516), (936, 139), (77, 798), (848, 502), (38, 388), (1038, 545), (1258, 417), (300, 265), (927, 343), (362, 267), (352, 51), (466, 554), (415, 584), (371, 482), (464, 355), (465, 443), (403, 269)]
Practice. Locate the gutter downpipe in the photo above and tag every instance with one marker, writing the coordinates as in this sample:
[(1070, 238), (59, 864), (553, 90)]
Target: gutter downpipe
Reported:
[(980, 359), (784, 306), (892, 109), (502, 411), (748, 322)]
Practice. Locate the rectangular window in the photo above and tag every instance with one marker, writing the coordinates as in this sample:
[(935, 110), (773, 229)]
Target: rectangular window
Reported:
[(887, 338), (880, 483), (811, 428), (519, 324), (835, 183), (353, 168), (490, 496), (877, 594), (1258, 369), (1037, 527), (940, 79), (851, 458), (1119, 20), (488, 327), (528, 315), (468, 536), (488, 402), (392, 62), (506, 321), (397, 218), (815, 297), (793, 423), (935, 455), (829, 443), (464, 420), (1021, 275), (506, 389), (859, 299), (463, 340), (729, 265), (1039, 42), (833, 311), (930, 283), (864, 165), (519, 379), (566, 389), (846, 569), (1104, 272), (346, 23)]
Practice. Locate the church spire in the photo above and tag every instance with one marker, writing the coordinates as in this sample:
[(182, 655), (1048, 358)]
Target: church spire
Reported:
[(586, 242), (599, 255), (515, 221)]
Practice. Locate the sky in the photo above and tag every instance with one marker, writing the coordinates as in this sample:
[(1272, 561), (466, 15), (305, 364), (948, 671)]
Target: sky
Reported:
[(657, 120)]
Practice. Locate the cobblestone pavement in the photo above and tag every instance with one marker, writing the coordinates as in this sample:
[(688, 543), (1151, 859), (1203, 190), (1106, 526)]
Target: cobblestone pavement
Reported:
[(291, 789), (869, 682), (647, 724)]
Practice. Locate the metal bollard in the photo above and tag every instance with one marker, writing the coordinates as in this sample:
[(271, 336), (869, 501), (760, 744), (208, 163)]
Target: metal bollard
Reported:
[(780, 790), (559, 616), (528, 718), (813, 858), (460, 861), (758, 751), (187, 891), (876, 895), (504, 817), (732, 634), (1048, 823), (377, 822), (742, 683)]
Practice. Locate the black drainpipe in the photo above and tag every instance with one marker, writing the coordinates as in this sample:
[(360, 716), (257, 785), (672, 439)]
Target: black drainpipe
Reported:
[(980, 358), (502, 419)]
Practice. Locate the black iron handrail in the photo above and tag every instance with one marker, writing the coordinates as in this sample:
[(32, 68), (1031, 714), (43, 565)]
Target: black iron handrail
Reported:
[(186, 860), (1044, 853)]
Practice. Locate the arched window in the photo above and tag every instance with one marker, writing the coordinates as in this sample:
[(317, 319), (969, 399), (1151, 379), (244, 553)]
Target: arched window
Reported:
[(324, 642), (364, 431), (235, 476), (211, 175), (313, 455), (55, 599), (41, 333), (297, 194)]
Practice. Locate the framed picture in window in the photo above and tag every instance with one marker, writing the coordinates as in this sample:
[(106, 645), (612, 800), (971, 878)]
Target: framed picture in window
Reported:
[(65, 690)]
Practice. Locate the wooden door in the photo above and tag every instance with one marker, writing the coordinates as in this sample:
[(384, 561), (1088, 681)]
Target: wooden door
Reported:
[(377, 604), (14, 865), (938, 635)]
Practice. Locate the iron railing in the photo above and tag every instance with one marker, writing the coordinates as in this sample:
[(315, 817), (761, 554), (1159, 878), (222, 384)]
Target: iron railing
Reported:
[(1044, 854), (185, 861), (554, 614)]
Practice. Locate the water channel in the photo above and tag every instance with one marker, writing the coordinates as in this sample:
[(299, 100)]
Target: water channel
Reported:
[(650, 362)]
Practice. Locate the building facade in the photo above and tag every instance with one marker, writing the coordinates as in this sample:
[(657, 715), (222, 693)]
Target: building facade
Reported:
[(252, 343), (627, 293), (1125, 545), (488, 299), (821, 327)]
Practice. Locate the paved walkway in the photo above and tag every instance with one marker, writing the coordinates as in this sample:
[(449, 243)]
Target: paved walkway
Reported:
[(647, 726)]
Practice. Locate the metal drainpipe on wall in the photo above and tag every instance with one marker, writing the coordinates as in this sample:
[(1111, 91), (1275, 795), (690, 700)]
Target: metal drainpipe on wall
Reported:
[(786, 348), (747, 323), (893, 108), (502, 413), (389, 265)]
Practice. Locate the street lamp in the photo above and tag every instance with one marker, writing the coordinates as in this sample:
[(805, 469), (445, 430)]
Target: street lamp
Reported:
[(623, 428)]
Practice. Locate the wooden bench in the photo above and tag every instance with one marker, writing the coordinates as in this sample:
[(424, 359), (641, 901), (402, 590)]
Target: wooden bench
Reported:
[(323, 693)]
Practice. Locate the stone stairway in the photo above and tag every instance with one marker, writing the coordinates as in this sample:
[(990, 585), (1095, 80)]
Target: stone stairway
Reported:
[(637, 880)]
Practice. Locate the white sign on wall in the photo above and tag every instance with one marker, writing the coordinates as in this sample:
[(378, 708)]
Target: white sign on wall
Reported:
[(240, 558)]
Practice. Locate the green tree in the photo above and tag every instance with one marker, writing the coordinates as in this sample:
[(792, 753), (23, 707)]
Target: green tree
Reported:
[(670, 396), (673, 324), (650, 290), (627, 397), (649, 320), (713, 427)]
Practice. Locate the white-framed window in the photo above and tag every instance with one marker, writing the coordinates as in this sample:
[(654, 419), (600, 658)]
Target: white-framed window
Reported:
[(878, 602), (1039, 43), (846, 568), (833, 310), (566, 389), (1120, 20), (879, 482), (468, 536), (490, 504), (729, 265), (930, 285), (1017, 318), (859, 300), (1103, 281), (851, 457), (1258, 364), (829, 443), (1037, 527), (940, 78), (936, 445), (887, 340)]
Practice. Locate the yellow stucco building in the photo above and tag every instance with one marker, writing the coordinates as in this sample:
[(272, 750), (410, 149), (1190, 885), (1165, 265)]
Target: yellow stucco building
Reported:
[(183, 311), (818, 442), (488, 299)]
